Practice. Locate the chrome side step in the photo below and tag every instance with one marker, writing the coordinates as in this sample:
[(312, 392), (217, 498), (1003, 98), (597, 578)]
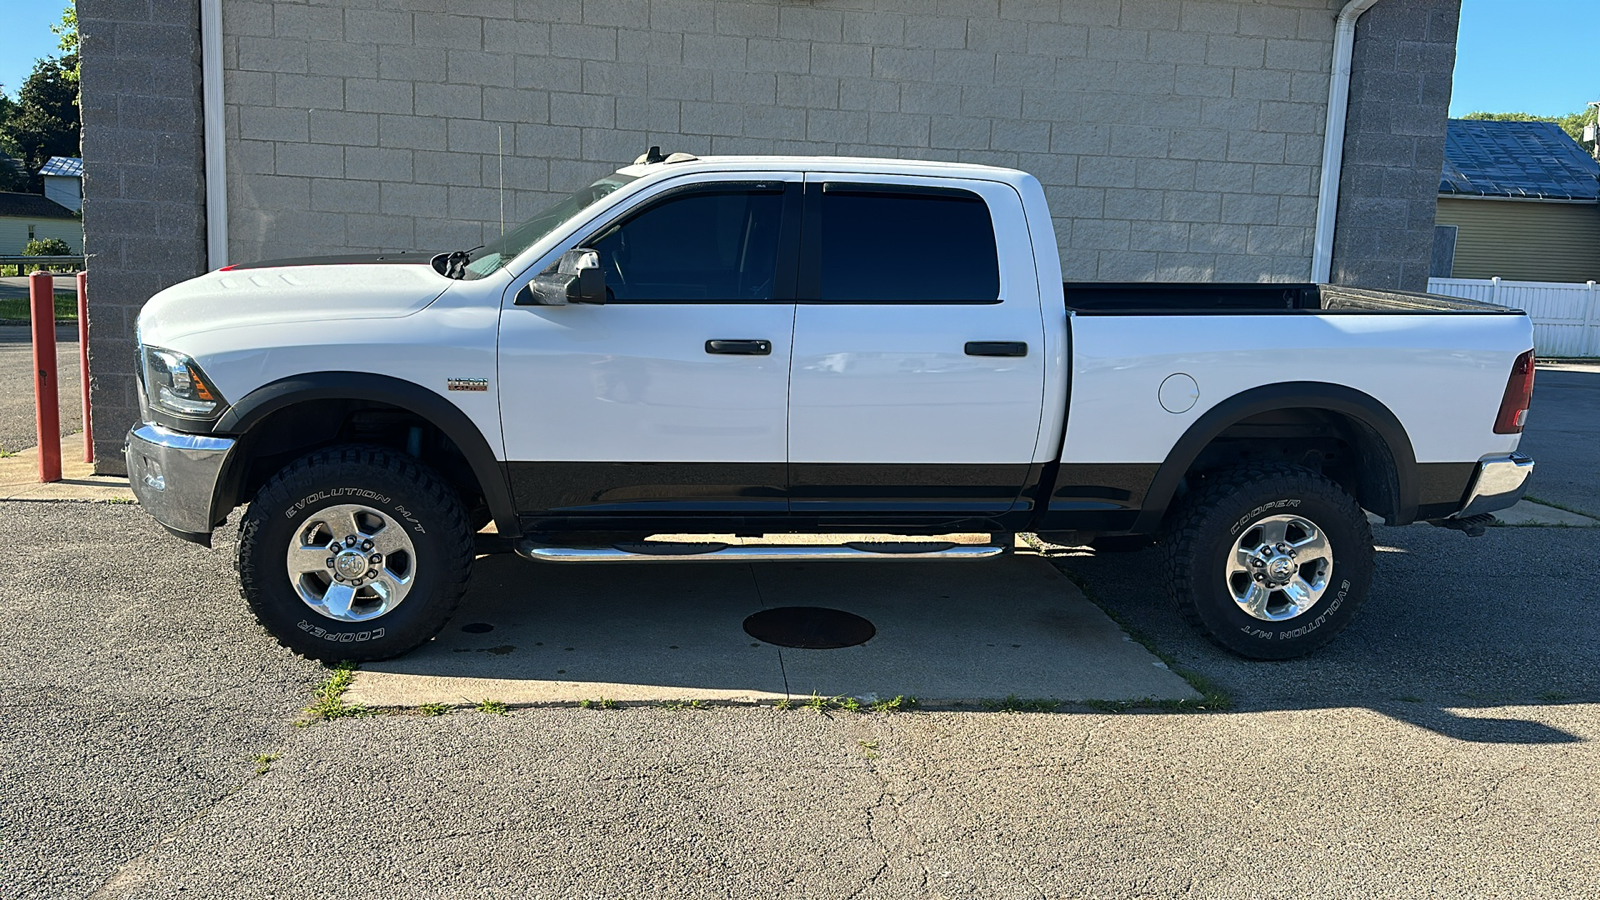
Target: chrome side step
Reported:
[(667, 551)]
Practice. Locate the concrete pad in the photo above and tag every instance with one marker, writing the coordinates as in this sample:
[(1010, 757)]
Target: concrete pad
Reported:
[(19, 477), (947, 632), (1527, 512)]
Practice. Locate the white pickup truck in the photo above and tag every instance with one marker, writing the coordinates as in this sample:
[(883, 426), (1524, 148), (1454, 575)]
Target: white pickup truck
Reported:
[(789, 345)]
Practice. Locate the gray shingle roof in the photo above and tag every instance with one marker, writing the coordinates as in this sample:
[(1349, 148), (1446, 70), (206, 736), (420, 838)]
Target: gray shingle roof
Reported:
[(1530, 160), (32, 206)]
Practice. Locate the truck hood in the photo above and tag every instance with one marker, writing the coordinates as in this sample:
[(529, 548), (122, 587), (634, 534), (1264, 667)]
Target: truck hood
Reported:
[(302, 291)]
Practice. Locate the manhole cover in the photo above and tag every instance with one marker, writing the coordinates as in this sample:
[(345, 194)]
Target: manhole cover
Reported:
[(809, 627)]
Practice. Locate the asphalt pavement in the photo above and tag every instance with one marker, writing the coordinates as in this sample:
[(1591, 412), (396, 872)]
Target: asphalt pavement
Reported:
[(1444, 745), (1563, 436), (17, 427)]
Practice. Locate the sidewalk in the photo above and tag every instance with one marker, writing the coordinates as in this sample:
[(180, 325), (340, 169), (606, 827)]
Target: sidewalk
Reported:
[(19, 477)]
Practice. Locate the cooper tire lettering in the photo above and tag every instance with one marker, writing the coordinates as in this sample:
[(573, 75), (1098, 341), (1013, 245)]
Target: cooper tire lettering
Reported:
[(1210, 521)]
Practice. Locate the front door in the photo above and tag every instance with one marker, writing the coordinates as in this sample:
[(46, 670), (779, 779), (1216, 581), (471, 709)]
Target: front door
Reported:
[(918, 374), (672, 397)]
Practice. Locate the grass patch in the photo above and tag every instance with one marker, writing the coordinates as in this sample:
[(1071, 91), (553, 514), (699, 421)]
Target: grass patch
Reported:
[(1213, 697), (491, 707), (118, 501), (785, 703), (21, 308), (1117, 706), (6, 454), (329, 697), (600, 703), (433, 709), (900, 703), (676, 705), (264, 762), (1014, 704)]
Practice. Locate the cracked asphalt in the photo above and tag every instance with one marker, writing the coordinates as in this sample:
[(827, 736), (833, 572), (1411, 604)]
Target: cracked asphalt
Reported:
[(1444, 746)]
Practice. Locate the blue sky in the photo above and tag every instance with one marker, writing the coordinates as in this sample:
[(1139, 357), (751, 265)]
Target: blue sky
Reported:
[(1537, 56), (27, 38)]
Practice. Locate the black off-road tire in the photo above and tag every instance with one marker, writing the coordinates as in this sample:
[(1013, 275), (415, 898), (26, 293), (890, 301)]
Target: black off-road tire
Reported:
[(1211, 519), (399, 486)]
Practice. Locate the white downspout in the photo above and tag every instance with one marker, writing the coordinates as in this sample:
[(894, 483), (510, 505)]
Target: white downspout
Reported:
[(1344, 45), (216, 149)]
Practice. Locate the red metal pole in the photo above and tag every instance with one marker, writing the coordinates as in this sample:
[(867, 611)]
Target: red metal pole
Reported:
[(46, 395), (83, 363)]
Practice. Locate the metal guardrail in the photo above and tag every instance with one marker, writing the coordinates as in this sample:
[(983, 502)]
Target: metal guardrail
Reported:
[(42, 261)]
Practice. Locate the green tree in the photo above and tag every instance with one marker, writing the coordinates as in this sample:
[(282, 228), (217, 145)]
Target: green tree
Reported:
[(44, 122), (1572, 123), (12, 177), (67, 31)]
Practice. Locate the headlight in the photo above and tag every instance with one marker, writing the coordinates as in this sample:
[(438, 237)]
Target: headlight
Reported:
[(174, 384)]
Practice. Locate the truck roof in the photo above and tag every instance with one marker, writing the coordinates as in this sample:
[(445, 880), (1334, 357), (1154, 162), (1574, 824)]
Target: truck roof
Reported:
[(684, 162)]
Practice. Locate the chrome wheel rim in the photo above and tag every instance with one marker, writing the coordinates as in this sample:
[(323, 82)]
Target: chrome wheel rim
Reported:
[(1279, 568), (351, 563)]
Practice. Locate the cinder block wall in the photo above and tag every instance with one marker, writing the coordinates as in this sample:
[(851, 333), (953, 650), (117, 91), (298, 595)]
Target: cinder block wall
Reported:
[(1394, 143), (144, 186), (1176, 140)]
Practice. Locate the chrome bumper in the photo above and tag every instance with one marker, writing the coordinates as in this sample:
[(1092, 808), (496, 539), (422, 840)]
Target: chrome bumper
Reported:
[(1500, 483), (175, 475)]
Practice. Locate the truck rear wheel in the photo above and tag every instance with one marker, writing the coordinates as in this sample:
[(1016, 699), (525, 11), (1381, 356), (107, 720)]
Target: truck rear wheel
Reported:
[(1269, 562), (354, 553)]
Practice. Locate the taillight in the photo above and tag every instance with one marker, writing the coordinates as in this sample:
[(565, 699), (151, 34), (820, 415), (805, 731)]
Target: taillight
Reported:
[(1514, 403)]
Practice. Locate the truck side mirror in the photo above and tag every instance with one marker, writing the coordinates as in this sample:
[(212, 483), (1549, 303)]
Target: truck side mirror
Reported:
[(576, 278)]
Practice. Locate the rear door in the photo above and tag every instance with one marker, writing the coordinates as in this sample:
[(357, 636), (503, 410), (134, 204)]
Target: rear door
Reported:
[(918, 373)]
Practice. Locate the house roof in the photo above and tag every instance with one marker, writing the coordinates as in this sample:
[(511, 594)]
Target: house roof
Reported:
[(32, 206), (1525, 160), (70, 166)]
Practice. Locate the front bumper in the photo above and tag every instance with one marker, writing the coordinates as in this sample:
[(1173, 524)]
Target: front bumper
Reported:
[(1500, 482), (175, 477)]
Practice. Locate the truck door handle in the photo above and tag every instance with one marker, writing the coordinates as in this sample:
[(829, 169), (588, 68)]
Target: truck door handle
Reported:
[(997, 348), (740, 348)]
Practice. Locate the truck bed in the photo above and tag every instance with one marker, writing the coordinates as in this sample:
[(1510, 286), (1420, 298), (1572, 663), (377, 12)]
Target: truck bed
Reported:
[(1162, 298)]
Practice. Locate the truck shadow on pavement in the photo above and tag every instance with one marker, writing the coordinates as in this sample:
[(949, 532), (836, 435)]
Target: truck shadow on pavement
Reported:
[(1456, 633)]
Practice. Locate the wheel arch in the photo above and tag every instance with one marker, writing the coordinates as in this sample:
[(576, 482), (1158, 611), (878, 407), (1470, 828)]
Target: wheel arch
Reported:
[(337, 394), (1385, 479)]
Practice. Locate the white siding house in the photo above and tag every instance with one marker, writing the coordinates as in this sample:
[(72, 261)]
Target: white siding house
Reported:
[(27, 217)]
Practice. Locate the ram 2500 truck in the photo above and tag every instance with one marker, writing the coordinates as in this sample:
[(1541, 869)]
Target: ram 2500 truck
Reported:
[(787, 345)]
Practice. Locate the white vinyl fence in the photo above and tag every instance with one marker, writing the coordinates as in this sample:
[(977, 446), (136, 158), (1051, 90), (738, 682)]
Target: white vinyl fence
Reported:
[(1566, 317)]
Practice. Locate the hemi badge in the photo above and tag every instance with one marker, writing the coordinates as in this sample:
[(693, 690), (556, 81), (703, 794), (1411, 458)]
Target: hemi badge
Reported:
[(468, 384)]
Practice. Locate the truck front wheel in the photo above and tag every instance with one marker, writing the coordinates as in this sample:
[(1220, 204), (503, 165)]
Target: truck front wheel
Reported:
[(354, 553), (1270, 562)]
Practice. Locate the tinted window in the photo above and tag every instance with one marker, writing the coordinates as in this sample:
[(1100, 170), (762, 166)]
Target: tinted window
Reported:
[(905, 246), (700, 246)]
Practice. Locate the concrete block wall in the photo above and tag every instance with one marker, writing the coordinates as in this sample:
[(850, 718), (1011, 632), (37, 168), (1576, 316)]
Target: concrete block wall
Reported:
[(144, 185), (1177, 139), (1394, 143)]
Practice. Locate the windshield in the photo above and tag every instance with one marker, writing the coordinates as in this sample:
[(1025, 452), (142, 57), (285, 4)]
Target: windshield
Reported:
[(490, 257)]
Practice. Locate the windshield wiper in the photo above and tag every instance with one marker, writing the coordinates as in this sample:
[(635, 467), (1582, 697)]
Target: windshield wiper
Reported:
[(454, 263)]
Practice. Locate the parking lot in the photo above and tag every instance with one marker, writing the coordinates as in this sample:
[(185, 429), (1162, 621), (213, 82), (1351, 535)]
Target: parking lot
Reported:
[(1445, 744)]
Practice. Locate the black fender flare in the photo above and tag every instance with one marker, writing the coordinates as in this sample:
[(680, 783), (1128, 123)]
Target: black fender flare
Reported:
[(1357, 405), (438, 411)]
